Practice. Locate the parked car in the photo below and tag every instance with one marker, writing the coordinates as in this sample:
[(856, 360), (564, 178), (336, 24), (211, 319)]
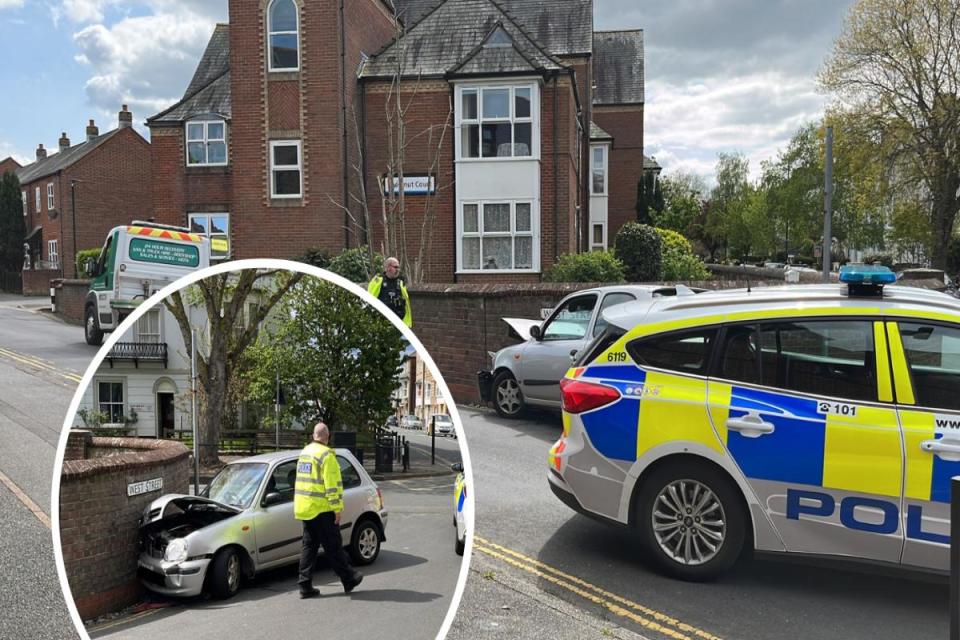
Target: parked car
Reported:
[(459, 508), (529, 373), (442, 425), (391, 422), (243, 523), (411, 422), (806, 419)]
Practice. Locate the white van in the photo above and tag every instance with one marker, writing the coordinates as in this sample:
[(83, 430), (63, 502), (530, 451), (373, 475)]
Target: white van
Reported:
[(136, 261)]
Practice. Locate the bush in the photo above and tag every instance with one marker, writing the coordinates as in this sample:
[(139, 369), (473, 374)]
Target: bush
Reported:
[(595, 266), (953, 256), (679, 261), (355, 265), (316, 256), (81, 261), (639, 248)]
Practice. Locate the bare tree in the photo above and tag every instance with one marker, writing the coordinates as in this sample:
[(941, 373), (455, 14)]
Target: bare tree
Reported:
[(897, 63), (223, 298)]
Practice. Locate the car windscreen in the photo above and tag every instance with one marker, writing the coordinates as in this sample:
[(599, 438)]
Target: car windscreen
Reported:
[(236, 484)]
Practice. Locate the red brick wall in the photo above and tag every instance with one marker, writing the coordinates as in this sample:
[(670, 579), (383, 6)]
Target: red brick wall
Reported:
[(178, 189), (625, 124), (8, 164), (99, 522), (36, 282), (558, 177), (70, 296), (583, 67)]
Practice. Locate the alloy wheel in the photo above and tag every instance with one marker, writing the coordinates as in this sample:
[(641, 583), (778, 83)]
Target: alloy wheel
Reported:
[(508, 396), (367, 542), (689, 523)]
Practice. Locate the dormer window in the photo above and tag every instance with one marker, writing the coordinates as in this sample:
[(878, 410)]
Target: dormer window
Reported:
[(284, 35), (206, 143)]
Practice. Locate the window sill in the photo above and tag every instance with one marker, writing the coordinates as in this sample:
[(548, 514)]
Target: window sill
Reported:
[(207, 169), (511, 159), (475, 272), (283, 74), (296, 201)]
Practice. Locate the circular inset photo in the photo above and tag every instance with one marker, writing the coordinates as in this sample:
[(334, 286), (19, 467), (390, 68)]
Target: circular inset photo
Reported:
[(257, 448)]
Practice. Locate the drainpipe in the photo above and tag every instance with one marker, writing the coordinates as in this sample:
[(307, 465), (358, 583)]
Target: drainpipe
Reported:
[(362, 135), (343, 129), (556, 176)]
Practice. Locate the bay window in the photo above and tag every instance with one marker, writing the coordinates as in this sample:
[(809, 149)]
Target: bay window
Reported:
[(496, 122), (497, 236)]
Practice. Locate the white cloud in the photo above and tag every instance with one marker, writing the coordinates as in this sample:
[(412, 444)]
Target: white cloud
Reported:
[(10, 4), (144, 61)]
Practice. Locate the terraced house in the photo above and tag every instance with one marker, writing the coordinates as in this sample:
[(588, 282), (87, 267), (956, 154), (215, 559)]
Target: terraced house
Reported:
[(522, 132)]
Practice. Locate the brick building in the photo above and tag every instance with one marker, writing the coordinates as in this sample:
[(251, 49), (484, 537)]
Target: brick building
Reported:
[(8, 164), (105, 180), (524, 132)]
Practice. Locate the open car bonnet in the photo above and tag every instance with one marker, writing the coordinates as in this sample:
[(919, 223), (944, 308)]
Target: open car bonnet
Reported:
[(160, 508), (521, 326)]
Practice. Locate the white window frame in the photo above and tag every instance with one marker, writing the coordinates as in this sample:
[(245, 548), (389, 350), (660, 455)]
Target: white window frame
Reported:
[(53, 254), (274, 168), (36, 193), (206, 140), (208, 226), (49, 196), (603, 236), (26, 207), (533, 120), (123, 393), (271, 33), (144, 331), (605, 150), (533, 234)]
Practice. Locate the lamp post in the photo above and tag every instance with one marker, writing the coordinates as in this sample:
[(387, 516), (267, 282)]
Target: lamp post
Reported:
[(73, 220)]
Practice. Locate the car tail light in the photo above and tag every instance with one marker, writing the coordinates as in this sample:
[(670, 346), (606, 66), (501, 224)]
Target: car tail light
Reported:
[(579, 396), (380, 497)]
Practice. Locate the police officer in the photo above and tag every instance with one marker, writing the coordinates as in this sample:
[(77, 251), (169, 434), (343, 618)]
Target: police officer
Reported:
[(388, 287), (318, 501)]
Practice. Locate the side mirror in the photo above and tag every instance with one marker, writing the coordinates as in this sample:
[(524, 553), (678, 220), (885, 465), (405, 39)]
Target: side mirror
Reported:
[(573, 354), (91, 267), (535, 332), (457, 467), (272, 498)]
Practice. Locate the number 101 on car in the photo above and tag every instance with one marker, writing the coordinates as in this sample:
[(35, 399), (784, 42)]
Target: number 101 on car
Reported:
[(836, 408)]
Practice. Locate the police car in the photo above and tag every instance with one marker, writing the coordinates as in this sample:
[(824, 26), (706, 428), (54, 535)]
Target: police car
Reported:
[(814, 419)]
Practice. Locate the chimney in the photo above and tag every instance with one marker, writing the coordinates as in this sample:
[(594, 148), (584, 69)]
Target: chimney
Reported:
[(64, 142), (125, 118), (41, 153), (92, 131)]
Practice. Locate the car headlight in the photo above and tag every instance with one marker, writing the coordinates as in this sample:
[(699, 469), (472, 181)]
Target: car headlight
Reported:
[(176, 550)]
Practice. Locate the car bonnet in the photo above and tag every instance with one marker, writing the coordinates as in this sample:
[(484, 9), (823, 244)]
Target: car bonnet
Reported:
[(158, 508)]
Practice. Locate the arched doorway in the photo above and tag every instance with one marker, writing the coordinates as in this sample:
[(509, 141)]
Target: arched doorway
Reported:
[(165, 391)]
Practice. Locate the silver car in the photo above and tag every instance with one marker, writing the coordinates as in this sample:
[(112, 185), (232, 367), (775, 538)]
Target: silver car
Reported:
[(529, 373), (243, 523)]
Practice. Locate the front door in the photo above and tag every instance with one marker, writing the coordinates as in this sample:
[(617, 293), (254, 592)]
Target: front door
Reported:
[(802, 412), (546, 360), (166, 422), (926, 365)]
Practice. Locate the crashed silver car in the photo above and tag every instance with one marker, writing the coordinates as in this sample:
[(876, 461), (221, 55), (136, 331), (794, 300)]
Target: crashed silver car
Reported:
[(529, 373), (243, 523)]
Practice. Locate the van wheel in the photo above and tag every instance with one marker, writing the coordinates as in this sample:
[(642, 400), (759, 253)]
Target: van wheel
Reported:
[(507, 397), (690, 520), (91, 327), (225, 574)]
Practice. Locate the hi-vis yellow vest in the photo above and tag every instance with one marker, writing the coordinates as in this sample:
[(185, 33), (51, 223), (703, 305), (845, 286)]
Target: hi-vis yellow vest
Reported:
[(374, 289), (319, 486)]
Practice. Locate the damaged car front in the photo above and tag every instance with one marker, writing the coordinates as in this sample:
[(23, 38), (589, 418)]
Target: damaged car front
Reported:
[(184, 539)]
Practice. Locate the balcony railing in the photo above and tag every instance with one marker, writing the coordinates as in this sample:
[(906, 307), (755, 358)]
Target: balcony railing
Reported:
[(138, 352)]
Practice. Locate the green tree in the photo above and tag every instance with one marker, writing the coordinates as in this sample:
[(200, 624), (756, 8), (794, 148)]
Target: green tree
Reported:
[(223, 298), (683, 195), (12, 228), (897, 65), (725, 227), (594, 266), (338, 358), (650, 202)]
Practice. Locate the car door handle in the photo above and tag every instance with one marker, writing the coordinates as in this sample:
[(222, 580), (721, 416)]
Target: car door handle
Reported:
[(945, 450), (750, 426)]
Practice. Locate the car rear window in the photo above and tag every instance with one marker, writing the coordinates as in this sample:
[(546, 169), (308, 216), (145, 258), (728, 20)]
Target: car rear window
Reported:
[(681, 351), (598, 345)]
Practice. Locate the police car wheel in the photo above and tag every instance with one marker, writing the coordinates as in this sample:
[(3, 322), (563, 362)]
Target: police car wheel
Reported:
[(225, 574), (691, 521), (507, 397), (461, 544), (365, 542)]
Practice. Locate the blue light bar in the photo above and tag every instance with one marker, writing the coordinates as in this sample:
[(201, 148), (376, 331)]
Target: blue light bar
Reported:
[(867, 274)]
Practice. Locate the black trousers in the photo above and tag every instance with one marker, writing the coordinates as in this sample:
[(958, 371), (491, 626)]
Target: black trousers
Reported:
[(323, 530)]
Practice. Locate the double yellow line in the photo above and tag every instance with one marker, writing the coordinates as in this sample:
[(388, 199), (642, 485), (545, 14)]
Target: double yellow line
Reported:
[(37, 363), (618, 605)]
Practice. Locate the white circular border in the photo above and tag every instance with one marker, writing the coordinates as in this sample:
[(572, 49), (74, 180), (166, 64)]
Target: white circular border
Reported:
[(240, 265)]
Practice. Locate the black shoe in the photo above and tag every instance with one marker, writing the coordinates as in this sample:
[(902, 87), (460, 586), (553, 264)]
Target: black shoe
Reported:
[(309, 592), (350, 586)]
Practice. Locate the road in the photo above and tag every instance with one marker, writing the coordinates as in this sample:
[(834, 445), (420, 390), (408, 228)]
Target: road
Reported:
[(530, 549), (405, 593), (41, 363)]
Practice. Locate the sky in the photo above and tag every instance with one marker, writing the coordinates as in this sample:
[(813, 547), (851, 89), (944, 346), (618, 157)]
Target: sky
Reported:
[(721, 75)]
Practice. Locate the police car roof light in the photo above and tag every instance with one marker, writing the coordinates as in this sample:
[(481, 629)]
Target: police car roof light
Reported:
[(866, 280)]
